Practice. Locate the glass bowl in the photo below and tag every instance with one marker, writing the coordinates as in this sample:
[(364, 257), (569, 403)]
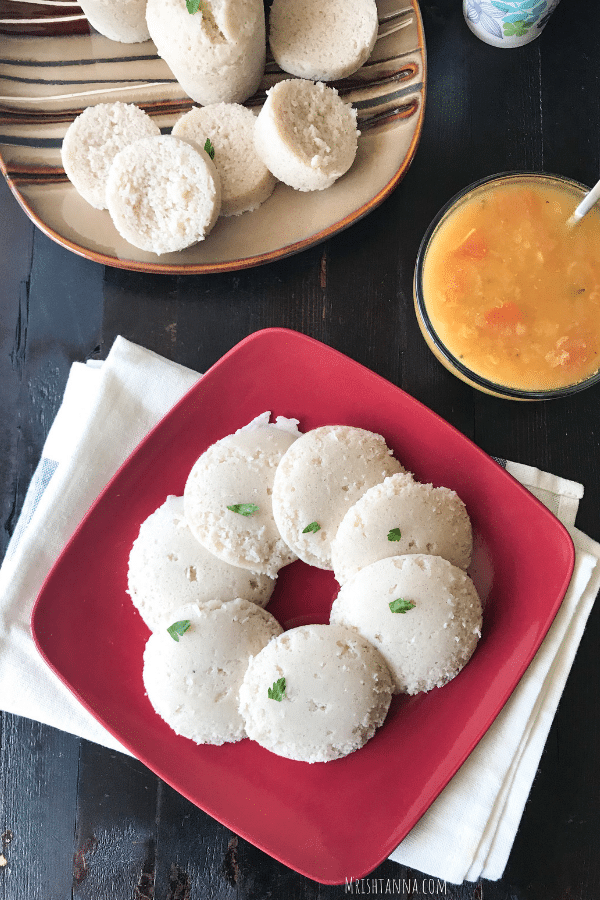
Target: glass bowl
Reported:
[(446, 349)]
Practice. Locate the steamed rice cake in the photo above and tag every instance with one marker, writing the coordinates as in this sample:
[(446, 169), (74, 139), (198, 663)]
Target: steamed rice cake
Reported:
[(245, 180), (217, 54), (306, 134), (335, 693), (193, 679), (421, 612), (92, 141), (401, 516), (320, 477), (168, 568), (228, 496), (322, 41)]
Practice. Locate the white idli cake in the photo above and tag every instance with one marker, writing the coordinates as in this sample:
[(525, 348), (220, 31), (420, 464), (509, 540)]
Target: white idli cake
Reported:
[(217, 54), (163, 194), (192, 672), (93, 140), (320, 477), (306, 134), (322, 41), (245, 180), (119, 20), (228, 495), (420, 611), (400, 516), (168, 568), (315, 693)]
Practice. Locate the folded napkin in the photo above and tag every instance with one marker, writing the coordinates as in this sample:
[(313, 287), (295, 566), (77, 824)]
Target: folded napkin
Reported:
[(107, 409)]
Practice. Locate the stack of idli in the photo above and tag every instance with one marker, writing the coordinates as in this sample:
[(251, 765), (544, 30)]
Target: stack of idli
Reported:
[(217, 53), (407, 618)]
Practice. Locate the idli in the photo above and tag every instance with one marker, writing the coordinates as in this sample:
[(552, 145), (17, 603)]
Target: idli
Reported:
[(163, 194), (193, 670), (119, 20), (319, 478), (306, 134), (168, 568), (92, 141), (420, 611), (401, 516), (322, 41), (217, 53), (245, 180), (315, 693), (228, 496)]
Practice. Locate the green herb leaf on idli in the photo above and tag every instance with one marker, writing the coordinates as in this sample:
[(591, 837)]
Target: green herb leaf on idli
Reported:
[(277, 692), (208, 147), (314, 526), (401, 606), (394, 534), (178, 628), (244, 509)]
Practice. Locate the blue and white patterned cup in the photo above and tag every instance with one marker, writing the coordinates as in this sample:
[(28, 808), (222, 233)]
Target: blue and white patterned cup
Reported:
[(508, 23)]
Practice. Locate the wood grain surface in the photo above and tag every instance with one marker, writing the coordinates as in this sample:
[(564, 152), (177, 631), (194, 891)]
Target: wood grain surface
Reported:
[(79, 822)]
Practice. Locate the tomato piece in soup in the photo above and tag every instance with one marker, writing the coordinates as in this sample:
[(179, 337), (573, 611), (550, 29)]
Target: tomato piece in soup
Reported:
[(474, 246), (507, 314)]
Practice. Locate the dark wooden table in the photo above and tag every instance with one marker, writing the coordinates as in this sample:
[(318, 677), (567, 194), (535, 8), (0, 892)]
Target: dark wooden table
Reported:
[(79, 821)]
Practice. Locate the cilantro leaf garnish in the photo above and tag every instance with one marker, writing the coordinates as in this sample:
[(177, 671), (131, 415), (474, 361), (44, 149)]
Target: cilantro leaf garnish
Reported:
[(244, 509), (314, 526), (401, 606), (178, 628), (394, 534), (193, 6), (277, 692), (208, 147)]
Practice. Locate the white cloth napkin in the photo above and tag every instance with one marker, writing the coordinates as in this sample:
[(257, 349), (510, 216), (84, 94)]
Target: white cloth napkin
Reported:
[(107, 409)]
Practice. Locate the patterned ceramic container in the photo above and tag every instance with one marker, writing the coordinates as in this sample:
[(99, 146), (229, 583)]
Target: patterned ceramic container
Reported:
[(507, 23)]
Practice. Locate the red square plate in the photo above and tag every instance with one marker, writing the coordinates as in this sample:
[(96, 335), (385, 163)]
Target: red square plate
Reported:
[(330, 821)]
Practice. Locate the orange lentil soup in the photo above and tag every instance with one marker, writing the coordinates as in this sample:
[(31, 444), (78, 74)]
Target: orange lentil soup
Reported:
[(512, 290)]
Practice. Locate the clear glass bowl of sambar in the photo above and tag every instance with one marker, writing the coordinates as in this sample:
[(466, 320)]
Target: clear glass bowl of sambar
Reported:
[(507, 293)]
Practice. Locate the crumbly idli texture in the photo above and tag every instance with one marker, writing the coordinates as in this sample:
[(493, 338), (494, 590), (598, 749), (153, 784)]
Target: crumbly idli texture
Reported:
[(245, 180), (93, 140), (337, 693), (239, 469), (193, 683), (163, 194), (168, 567), (320, 477), (322, 41), (430, 520), (216, 54), (306, 134), (429, 644), (119, 20)]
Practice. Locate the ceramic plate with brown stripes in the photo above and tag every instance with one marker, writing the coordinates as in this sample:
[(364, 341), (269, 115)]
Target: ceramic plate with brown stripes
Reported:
[(53, 65)]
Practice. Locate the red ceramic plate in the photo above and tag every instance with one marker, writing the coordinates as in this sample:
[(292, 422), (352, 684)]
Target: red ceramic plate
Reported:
[(334, 821)]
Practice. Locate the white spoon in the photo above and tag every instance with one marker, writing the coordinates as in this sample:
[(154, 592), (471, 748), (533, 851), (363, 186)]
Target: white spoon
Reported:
[(586, 204)]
